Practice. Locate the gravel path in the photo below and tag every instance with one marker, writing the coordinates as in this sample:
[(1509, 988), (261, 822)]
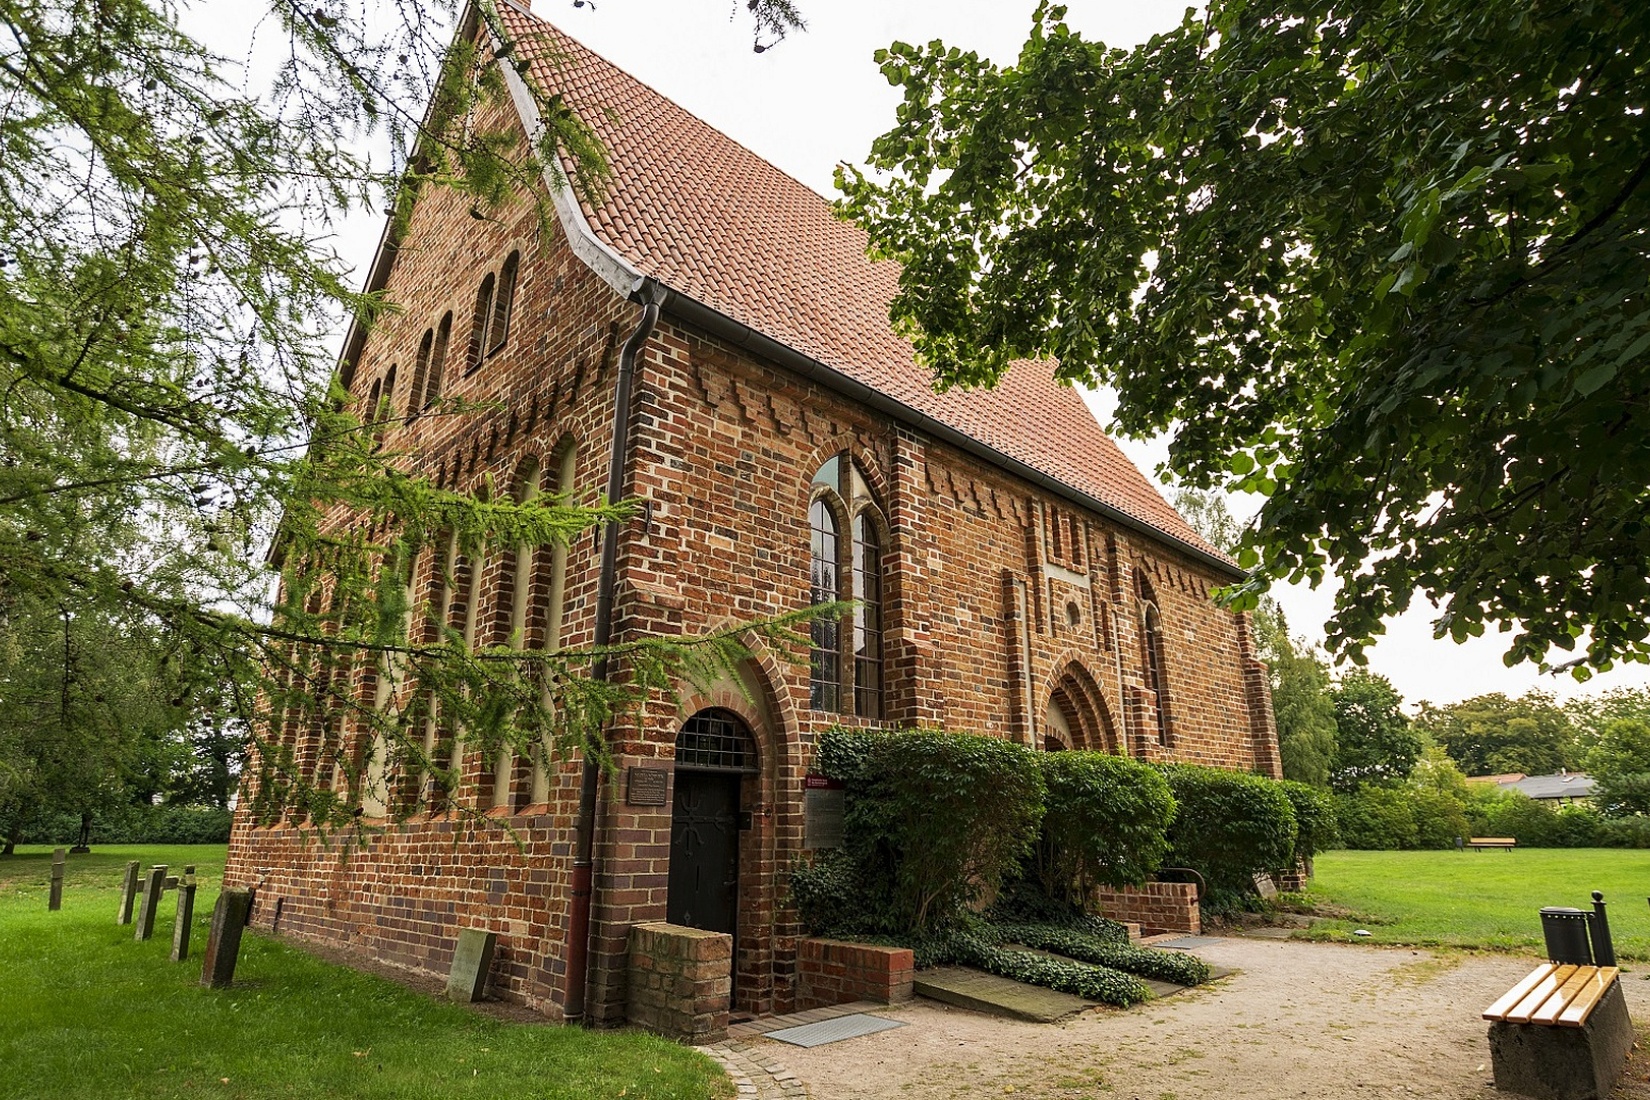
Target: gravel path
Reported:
[(1295, 1020)]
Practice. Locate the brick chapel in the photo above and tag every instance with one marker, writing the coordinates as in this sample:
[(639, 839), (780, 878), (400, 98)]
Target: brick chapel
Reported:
[(1016, 575)]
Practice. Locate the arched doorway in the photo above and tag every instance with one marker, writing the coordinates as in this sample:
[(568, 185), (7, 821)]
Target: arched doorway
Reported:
[(714, 753)]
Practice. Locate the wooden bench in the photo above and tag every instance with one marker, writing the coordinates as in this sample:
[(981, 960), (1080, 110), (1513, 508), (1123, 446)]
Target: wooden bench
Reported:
[(1481, 842), (1562, 1033)]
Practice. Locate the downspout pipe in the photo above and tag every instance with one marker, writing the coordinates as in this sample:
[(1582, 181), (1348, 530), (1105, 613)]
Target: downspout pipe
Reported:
[(652, 297)]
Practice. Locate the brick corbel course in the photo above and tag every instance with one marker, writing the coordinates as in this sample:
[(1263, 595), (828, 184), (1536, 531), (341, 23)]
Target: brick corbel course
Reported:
[(679, 981)]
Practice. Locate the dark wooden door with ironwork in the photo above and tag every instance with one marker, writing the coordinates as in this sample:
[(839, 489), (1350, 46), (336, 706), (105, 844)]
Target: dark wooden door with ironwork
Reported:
[(704, 851)]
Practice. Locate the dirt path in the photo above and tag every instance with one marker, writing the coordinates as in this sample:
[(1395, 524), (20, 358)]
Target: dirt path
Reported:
[(1295, 1020)]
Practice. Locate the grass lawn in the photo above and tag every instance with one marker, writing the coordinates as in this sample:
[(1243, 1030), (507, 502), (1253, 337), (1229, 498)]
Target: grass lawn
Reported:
[(87, 1013), (1480, 899)]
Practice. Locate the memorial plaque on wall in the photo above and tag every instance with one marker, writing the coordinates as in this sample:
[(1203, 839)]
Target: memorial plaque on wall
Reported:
[(823, 803), (645, 786)]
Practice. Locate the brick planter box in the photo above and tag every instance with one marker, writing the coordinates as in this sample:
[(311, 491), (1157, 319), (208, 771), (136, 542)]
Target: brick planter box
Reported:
[(1158, 907), (835, 972)]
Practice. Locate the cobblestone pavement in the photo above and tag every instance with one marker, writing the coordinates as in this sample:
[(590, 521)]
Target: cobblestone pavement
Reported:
[(757, 1074)]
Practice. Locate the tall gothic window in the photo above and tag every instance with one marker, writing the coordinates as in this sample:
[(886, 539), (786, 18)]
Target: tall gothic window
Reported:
[(503, 304), (438, 359), (1151, 637), (478, 326), (844, 680), (867, 618), (825, 665), (421, 374)]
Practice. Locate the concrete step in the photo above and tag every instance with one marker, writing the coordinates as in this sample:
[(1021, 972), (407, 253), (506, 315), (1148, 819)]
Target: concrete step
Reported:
[(981, 992)]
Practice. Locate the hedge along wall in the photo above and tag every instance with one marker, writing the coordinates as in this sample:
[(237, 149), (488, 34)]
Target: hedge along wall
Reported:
[(1105, 824), (1229, 827), (933, 822)]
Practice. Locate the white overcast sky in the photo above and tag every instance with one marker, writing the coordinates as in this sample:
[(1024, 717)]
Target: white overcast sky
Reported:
[(817, 99)]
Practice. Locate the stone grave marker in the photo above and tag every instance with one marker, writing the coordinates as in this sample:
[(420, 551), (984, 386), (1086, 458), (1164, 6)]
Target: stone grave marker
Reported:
[(472, 958), (56, 900), (128, 891), (152, 886), (186, 916), (223, 942)]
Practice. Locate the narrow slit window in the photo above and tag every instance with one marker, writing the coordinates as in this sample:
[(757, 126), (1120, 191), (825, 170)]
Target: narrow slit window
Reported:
[(478, 328), (867, 618), (503, 304), (825, 664), (421, 375), (438, 359)]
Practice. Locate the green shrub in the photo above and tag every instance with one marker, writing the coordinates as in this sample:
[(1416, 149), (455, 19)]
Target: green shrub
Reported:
[(1106, 823), (135, 824), (1229, 827), (1376, 817), (1439, 818), (933, 821), (1179, 967), (1315, 827), (984, 950)]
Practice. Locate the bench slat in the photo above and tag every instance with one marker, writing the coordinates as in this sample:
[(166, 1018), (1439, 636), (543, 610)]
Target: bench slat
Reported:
[(1581, 1006), (1499, 1010), (1537, 996), (1555, 1005)]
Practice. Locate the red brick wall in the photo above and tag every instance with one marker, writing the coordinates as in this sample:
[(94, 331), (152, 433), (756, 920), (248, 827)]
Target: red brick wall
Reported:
[(833, 972), (1156, 907), (998, 597)]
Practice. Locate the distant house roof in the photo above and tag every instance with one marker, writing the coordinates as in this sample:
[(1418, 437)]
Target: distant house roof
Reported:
[(707, 218), (1568, 785), (1504, 777)]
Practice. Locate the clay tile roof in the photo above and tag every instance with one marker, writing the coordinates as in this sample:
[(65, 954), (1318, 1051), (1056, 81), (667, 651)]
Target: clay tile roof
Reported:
[(694, 209)]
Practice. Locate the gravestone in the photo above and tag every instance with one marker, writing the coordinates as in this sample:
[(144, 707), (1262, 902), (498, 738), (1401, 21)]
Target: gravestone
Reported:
[(128, 891), (152, 887), (56, 901), (472, 958), (186, 916), (223, 942)]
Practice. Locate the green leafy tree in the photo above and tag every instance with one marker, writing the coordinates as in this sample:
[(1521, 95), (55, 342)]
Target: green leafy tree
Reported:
[(1620, 767), (1590, 714), (1299, 675), (166, 303), (1382, 262), (1495, 735), (1374, 743), (1301, 700)]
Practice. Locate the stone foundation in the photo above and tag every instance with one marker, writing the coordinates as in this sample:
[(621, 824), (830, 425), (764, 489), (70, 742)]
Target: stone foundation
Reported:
[(680, 981), (835, 972), (1158, 907)]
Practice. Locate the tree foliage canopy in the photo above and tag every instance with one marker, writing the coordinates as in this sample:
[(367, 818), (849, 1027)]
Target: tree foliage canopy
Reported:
[(1495, 735), (1373, 740), (1384, 262)]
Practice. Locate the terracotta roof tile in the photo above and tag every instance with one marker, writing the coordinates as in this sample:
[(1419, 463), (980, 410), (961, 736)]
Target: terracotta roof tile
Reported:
[(702, 214)]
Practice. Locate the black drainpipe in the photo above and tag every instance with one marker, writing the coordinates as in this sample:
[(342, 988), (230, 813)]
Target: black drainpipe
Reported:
[(652, 296)]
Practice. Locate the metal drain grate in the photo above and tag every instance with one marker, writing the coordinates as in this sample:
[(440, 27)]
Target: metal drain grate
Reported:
[(831, 1031), (1186, 943)]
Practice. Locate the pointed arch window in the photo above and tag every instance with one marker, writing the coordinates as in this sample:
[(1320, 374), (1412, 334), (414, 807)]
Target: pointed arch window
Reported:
[(438, 359), (421, 374), (478, 327), (825, 661), (867, 617), (846, 671), (1154, 665), (503, 304)]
